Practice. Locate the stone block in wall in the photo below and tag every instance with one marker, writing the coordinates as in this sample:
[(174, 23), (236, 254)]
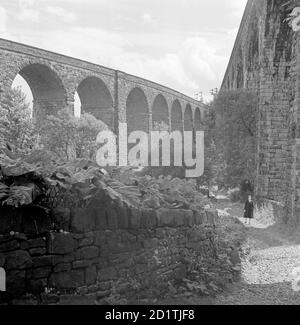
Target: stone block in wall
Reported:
[(5, 223), (37, 286), (199, 217), (107, 274), (118, 247), (122, 216), (2, 259), (18, 260), (39, 273), (67, 258), (60, 244), (83, 220), (148, 219), (91, 275), (16, 236), (42, 261), (151, 243), (165, 218), (98, 201), (86, 242), (82, 264), (78, 300), (179, 217), (134, 215), (100, 218), (25, 300), (9, 246), (10, 220), (62, 218), (37, 251), (67, 280), (34, 243), (189, 218), (99, 238), (112, 216), (15, 282), (62, 267), (212, 216), (97, 205), (121, 263), (87, 253), (35, 220)]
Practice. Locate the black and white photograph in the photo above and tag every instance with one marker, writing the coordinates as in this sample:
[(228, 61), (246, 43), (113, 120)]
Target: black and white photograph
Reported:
[(149, 155)]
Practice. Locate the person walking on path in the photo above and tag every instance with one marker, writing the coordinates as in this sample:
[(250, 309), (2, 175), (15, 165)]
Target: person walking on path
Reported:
[(249, 210)]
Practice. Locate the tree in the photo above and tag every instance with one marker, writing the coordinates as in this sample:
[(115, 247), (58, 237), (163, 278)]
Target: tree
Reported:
[(87, 129), (235, 114), (70, 137), (17, 129)]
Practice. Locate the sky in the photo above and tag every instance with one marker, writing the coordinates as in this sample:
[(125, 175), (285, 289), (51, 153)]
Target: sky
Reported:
[(182, 44)]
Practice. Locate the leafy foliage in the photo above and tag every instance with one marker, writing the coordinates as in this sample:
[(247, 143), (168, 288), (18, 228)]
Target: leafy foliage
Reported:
[(17, 129), (70, 137), (21, 180), (234, 136), (164, 191)]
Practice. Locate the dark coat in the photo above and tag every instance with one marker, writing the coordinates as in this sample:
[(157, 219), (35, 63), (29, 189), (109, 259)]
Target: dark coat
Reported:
[(249, 210)]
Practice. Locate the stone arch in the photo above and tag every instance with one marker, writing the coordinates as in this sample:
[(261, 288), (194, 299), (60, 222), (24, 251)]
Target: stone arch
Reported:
[(198, 119), (95, 99), (48, 91), (176, 116), (160, 111), (188, 118), (137, 111)]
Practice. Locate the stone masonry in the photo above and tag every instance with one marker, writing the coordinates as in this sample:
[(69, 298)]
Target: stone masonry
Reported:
[(108, 244), (110, 95), (265, 59)]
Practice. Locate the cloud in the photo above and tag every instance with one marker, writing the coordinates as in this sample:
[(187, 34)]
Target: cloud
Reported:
[(147, 19), (238, 6), (26, 3), (28, 12), (194, 67), (29, 15), (184, 45), (60, 12), (3, 19)]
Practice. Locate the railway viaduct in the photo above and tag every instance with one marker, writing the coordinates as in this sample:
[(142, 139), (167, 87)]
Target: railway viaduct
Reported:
[(110, 95), (266, 59)]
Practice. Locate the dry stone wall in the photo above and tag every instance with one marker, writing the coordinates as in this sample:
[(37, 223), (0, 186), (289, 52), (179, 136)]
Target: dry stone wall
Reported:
[(107, 246)]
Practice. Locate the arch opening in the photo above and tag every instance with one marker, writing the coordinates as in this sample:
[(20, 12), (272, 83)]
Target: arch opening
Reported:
[(137, 111), (188, 118), (176, 117), (43, 89), (21, 84), (198, 120), (94, 97), (160, 114)]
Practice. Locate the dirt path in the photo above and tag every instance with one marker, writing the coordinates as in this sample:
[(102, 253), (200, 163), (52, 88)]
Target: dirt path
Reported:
[(271, 256)]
